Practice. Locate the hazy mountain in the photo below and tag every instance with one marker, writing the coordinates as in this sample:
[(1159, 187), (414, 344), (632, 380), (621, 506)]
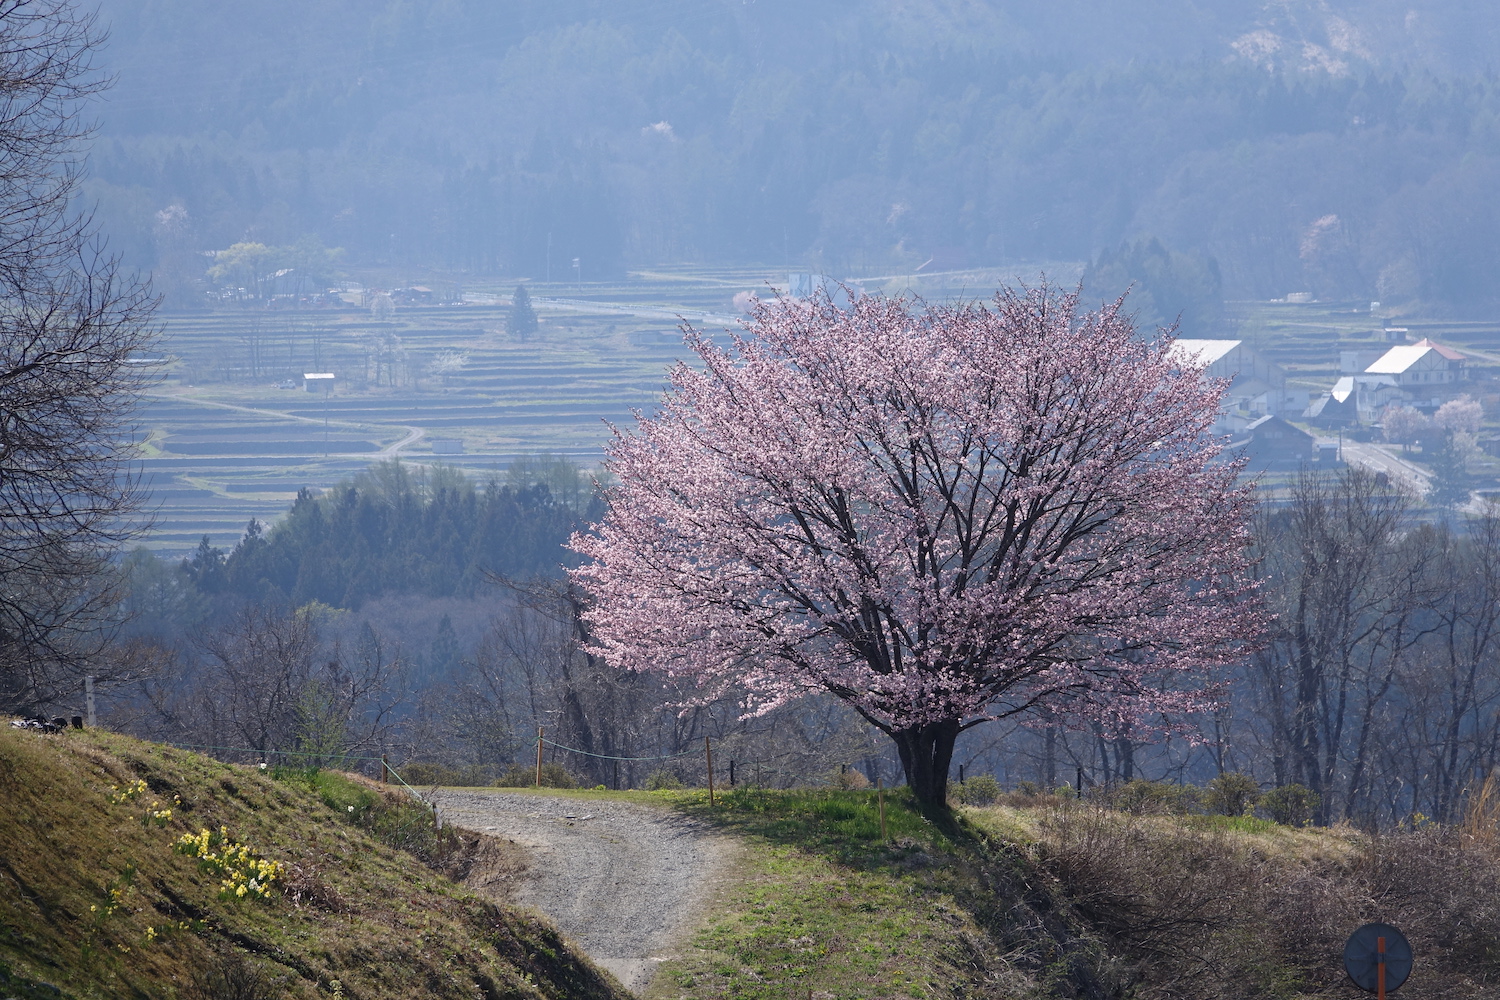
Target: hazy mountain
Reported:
[(1348, 148)]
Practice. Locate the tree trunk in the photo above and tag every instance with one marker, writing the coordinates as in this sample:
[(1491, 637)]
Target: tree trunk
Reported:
[(926, 754)]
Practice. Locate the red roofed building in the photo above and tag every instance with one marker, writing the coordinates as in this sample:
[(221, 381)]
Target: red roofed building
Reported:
[(1422, 365)]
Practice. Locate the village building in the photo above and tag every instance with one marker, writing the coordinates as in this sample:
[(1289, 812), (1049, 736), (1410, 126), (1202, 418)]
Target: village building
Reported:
[(1271, 444), (1424, 374), (1424, 369), (1355, 399), (1257, 386)]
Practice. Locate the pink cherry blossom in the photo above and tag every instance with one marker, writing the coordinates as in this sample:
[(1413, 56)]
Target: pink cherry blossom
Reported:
[(940, 514)]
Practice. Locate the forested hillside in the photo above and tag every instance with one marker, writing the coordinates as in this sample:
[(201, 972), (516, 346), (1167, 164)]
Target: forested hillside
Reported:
[(1348, 149), (388, 530)]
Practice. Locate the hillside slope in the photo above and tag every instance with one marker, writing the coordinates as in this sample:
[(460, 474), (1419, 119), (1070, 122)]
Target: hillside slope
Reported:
[(96, 902)]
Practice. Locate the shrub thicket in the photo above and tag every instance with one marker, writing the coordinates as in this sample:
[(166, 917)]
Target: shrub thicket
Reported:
[(1180, 901), (1231, 794), (1290, 805), (980, 790)]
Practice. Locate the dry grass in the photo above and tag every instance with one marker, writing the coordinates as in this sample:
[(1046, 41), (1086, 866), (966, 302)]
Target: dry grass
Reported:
[(1205, 910)]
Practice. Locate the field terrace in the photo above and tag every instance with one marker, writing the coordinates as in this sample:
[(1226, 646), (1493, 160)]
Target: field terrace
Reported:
[(229, 434)]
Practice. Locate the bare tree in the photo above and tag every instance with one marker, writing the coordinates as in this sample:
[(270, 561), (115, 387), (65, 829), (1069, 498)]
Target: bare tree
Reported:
[(71, 329), (1445, 729), (1343, 592), (266, 683)]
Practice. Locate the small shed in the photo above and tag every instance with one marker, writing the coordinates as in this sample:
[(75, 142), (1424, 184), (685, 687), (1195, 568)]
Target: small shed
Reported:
[(318, 381), (1335, 409)]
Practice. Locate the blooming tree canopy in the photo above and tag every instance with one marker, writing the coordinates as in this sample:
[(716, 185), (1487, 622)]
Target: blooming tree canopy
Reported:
[(939, 514), (1463, 415)]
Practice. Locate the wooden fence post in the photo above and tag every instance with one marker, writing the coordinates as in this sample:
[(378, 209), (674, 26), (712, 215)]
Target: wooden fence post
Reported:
[(709, 753), (539, 756), (385, 770), (880, 797)]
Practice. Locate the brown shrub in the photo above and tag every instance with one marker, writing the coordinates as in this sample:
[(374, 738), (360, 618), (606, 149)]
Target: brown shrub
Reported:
[(1213, 914)]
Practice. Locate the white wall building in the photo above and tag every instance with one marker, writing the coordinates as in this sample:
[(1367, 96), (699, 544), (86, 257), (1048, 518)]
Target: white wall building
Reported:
[(1421, 364), (1257, 386)]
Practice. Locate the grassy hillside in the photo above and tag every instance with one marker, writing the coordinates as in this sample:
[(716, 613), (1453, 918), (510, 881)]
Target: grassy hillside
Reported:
[(96, 902), (1046, 897)]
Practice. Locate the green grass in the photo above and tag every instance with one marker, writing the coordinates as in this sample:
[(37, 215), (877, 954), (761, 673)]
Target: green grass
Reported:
[(827, 908), (95, 903), (1235, 824), (842, 825), (803, 925)]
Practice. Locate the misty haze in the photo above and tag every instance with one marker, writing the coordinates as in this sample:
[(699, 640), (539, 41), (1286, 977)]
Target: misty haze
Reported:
[(739, 498)]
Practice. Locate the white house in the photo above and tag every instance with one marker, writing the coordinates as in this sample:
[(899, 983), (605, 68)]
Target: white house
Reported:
[(1420, 365), (1230, 359)]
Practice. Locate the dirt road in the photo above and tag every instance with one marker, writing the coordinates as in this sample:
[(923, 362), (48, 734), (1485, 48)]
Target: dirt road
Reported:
[(628, 883)]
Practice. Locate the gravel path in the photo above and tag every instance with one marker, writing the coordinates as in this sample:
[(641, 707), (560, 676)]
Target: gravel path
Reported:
[(626, 882)]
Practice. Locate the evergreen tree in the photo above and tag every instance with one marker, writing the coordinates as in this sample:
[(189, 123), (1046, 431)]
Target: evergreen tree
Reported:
[(445, 656), (392, 531), (1165, 287), (521, 323), (205, 568)]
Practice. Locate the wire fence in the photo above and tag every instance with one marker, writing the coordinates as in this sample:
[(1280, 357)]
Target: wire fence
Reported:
[(323, 756), (759, 770), (604, 756), (740, 769)]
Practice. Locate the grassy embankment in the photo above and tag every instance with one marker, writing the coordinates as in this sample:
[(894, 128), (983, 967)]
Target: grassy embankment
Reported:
[(95, 901), (1044, 897)]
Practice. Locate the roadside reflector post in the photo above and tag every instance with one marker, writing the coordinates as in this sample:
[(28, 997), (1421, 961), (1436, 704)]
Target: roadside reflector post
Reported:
[(539, 756), (1380, 969), (1378, 959), (708, 752), (88, 699), (880, 799)]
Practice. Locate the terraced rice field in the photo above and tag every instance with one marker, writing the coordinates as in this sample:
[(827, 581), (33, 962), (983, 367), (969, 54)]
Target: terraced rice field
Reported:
[(230, 434), (224, 444), (1306, 338)]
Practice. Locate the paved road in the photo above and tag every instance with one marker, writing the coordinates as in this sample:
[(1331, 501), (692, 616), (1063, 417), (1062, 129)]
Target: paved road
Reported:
[(628, 883), (1373, 456)]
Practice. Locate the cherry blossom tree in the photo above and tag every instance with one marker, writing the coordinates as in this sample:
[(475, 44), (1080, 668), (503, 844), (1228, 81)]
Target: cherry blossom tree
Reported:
[(942, 515), (1463, 415), (1402, 424)]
